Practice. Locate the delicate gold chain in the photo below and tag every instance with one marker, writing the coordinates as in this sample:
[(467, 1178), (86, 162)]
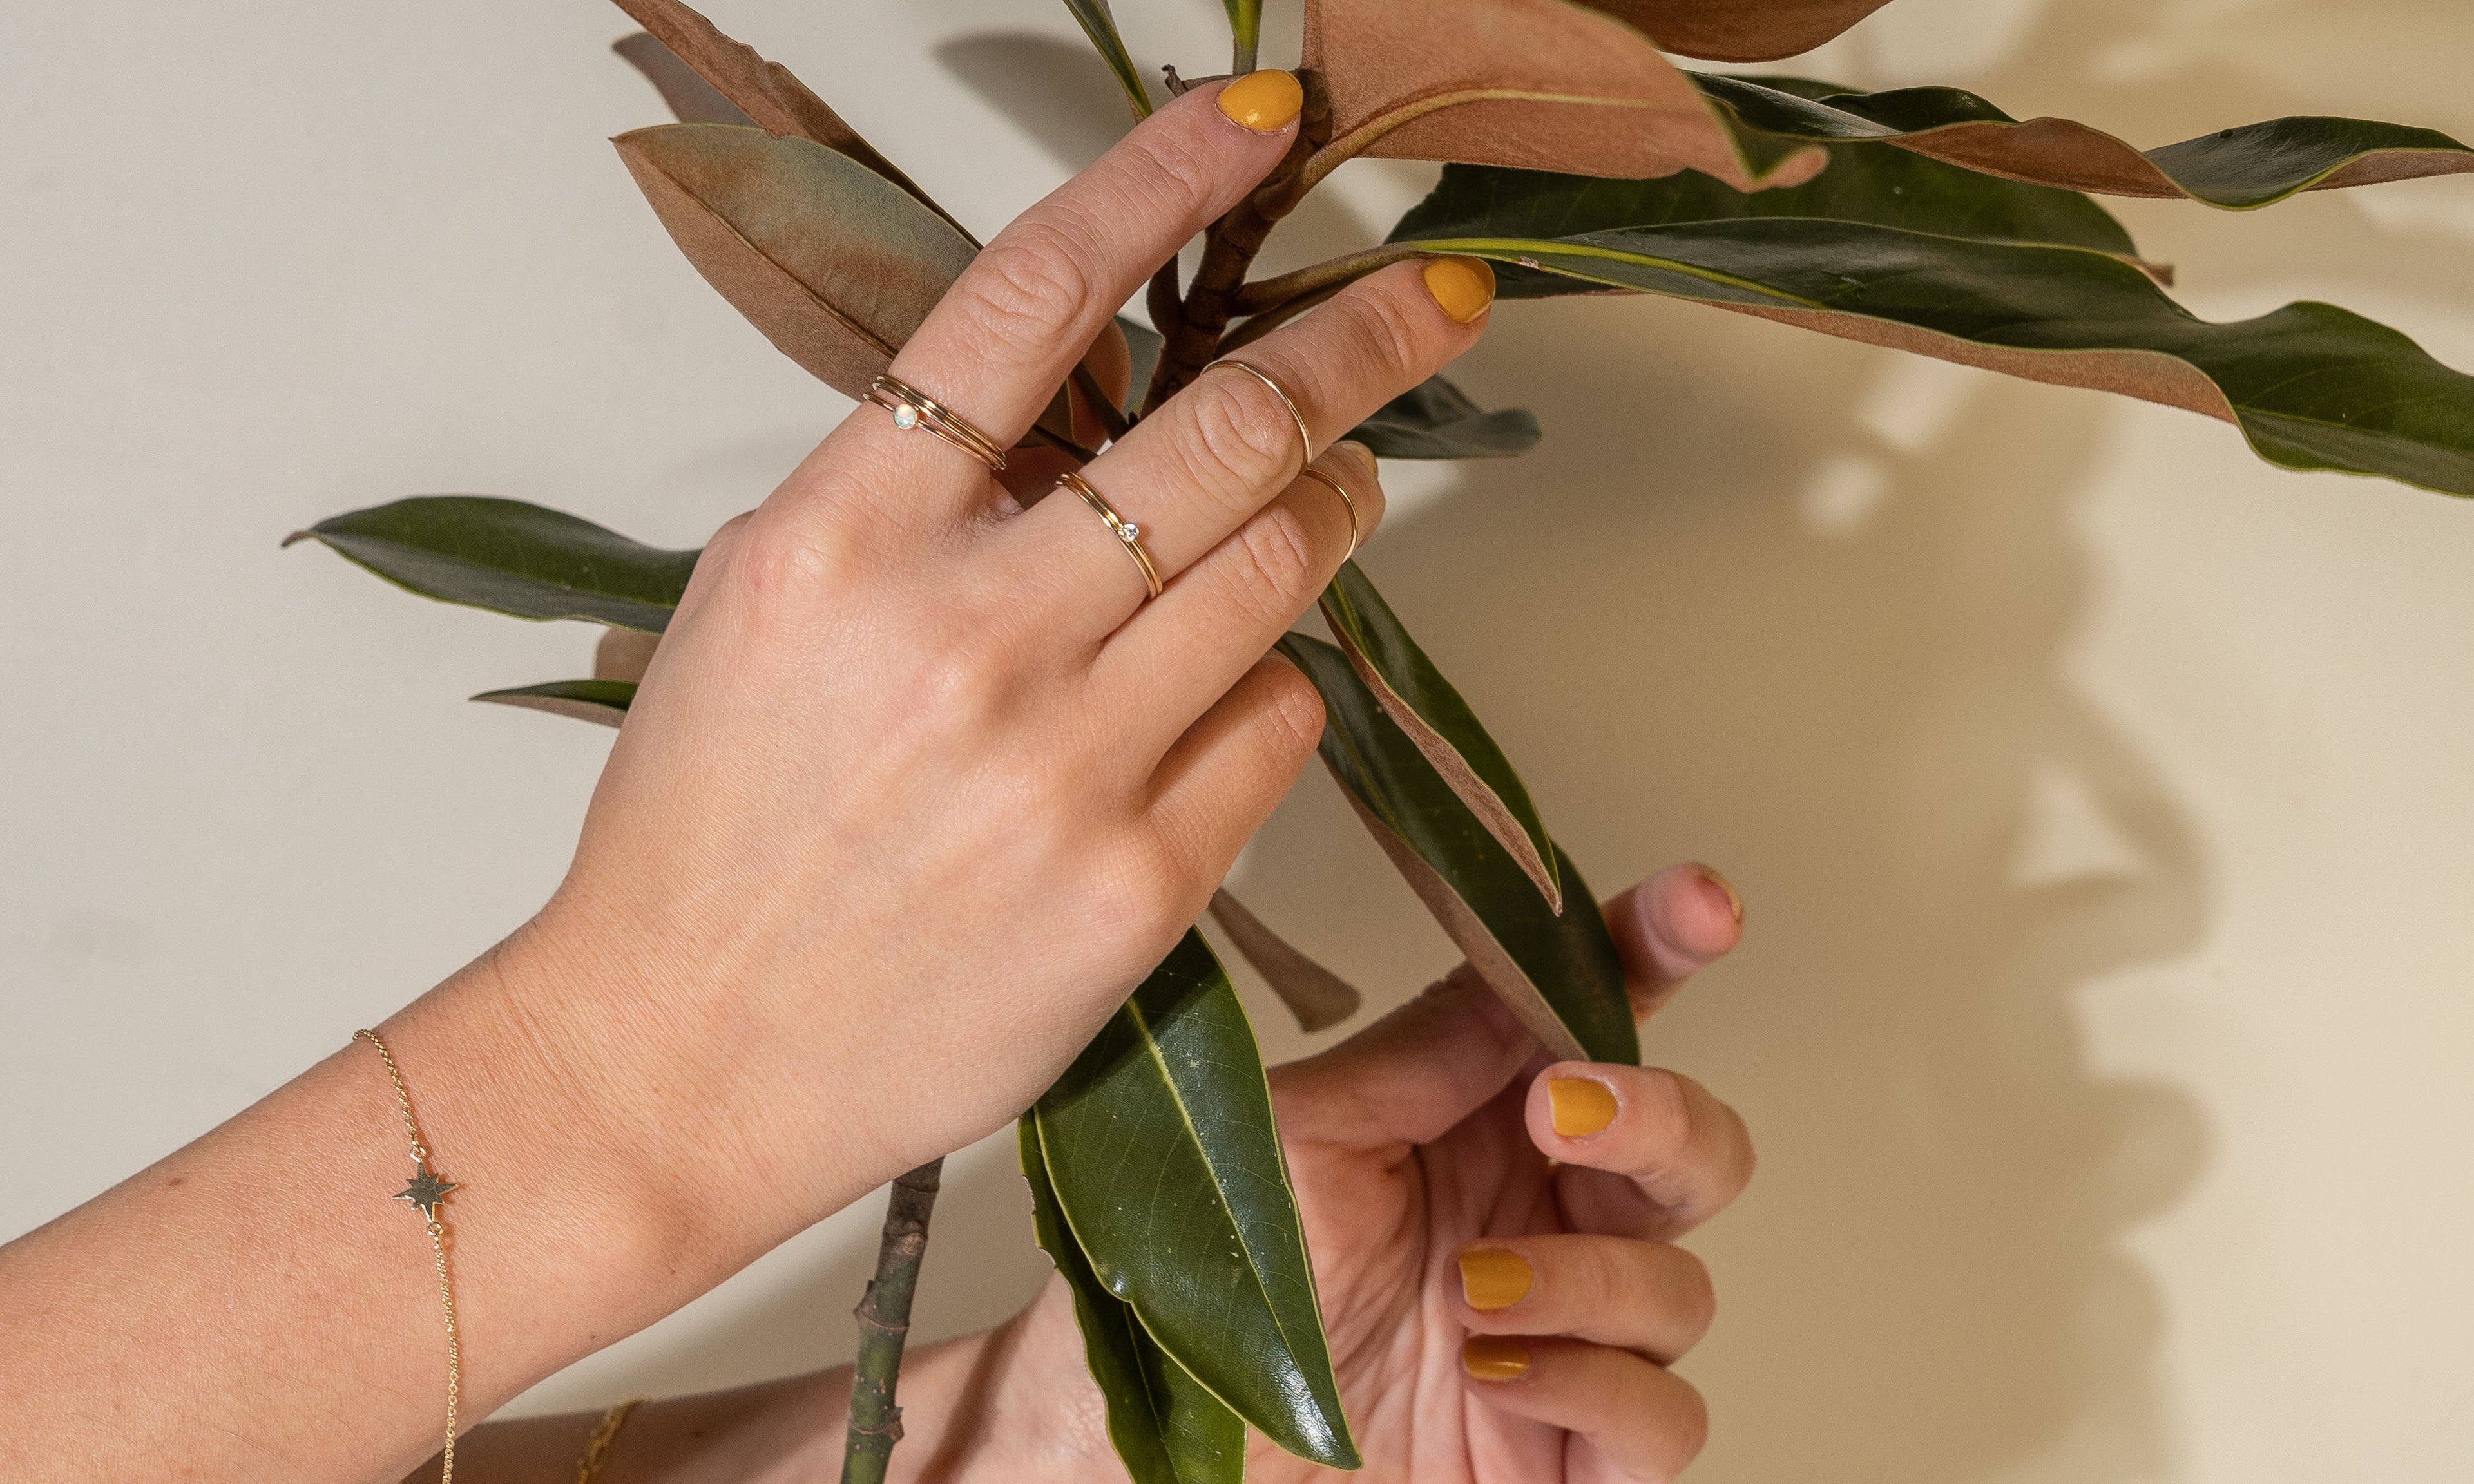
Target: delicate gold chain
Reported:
[(597, 1447), (426, 1190)]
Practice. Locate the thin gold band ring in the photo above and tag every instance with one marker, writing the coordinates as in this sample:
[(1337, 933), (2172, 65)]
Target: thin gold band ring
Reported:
[(1305, 438), (912, 408), (1126, 531), (1320, 477)]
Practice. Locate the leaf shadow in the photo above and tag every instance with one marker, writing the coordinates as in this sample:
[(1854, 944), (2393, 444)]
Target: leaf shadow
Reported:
[(1058, 91)]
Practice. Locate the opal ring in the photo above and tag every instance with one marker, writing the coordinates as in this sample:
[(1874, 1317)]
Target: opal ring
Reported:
[(912, 408)]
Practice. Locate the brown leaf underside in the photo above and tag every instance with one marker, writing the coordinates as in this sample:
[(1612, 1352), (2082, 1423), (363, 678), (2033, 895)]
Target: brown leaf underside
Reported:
[(777, 101), (1740, 30), (1317, 996), (1469, 935), (1456, 773), (1537, 84)]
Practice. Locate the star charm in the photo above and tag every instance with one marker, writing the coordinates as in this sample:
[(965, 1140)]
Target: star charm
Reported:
[(424, 1191)]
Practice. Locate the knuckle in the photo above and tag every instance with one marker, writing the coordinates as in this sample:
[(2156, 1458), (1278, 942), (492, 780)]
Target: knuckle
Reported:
[(1293, 711), (961, 682), (1395, 342), (1029, 284), (1666, 1117), (1282, 570), (1239, 437), (789, 558)]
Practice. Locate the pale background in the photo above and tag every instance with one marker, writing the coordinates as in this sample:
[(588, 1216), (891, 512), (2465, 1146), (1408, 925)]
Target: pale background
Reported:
[(2102, 794)]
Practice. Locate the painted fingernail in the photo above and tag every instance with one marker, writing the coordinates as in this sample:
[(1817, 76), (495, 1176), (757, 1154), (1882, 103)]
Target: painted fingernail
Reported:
[(1492, 1279), (1264, 101), (1734, 903), (1491, 1357), (1463, 285), (1580, 1106)]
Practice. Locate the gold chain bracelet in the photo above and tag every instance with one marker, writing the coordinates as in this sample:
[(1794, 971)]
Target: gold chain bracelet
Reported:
[(597, 1448), (425, 1190)]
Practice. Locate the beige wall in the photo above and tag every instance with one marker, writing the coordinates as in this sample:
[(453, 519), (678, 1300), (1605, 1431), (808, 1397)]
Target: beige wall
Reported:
[(2100, 793)]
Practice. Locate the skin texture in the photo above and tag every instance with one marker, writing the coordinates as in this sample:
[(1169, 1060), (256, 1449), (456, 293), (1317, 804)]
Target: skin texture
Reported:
[(1422, 1138), (917, 789)]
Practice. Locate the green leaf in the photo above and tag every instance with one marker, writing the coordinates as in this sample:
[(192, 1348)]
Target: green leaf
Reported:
[(2312, 386), (834, 264), (2252, 165), (1436, 420), (1102, 28), (1865, 182), (1558, 972), (1431, 714), (1246, 30), (602, 702), (511, 557), (1167, 1165), (1166, 1427)]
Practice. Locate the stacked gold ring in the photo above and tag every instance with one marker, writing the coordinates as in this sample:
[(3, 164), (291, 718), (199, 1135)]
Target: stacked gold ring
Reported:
[(912, 408), (1128, 534)]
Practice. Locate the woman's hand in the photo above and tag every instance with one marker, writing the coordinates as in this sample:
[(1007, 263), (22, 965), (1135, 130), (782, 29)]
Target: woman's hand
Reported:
[(1492, 1236), (1446, 1214), (917, 789)]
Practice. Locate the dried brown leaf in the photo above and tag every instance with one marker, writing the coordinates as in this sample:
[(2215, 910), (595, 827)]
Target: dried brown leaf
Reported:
[(766, 91)]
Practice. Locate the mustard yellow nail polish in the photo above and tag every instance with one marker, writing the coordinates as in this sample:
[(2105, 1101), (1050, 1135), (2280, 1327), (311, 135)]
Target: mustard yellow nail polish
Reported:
[(1492, 1279), (1264, 101), (1464, 286), (1491, 1357), (1734, 903), (1579, 1106)]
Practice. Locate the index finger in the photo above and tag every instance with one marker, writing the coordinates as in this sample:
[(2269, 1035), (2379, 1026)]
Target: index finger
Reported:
[(1007, 333)]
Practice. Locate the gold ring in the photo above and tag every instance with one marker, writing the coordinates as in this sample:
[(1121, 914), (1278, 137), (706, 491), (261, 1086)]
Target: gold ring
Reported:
[(1305, 438), (1126, 531), (912, 408), (1336, 489)]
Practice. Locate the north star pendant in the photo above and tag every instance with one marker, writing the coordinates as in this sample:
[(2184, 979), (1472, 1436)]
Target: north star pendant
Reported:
[(424, 1191)]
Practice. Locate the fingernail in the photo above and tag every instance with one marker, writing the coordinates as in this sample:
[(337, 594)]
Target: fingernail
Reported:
[(1363, 455), (1463, 285), (1734, 903), (1264, 101), (1491, 1357), (1580, 1106), (1492, 1279)]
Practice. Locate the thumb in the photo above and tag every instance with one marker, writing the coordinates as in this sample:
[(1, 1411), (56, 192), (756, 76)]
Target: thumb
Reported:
[(1410, 1076)]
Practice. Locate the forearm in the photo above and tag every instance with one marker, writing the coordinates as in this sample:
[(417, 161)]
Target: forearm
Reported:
[(1010, 1405), (257, 1305)]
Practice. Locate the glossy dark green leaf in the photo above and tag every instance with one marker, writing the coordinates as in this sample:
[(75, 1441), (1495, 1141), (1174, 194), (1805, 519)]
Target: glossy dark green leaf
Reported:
[(604, 703), (1101, 26), (1558, 972), (834, 263), (1878, 183), (1160, 1143), (2251, 165), (511, 557), (1436, 420), (2312, 386), (1166, 1427), (1431, 712)]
